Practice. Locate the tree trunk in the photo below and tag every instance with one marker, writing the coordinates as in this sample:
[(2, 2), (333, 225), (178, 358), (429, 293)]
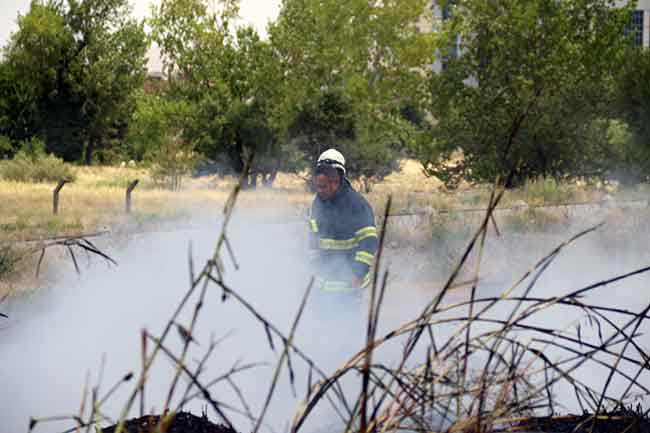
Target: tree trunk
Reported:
[(90, 150), (367, 187)]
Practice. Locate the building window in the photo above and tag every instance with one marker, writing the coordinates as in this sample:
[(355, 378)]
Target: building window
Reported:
[(635, 29)]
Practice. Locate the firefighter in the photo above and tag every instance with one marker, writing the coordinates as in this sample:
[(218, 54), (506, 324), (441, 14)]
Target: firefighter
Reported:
[(343, 232)]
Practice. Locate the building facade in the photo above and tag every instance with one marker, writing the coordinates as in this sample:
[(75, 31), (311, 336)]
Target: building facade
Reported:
[(640, 25)]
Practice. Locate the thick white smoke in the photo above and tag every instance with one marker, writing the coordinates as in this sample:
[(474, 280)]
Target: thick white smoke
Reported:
[(54, 337), (57, 335)]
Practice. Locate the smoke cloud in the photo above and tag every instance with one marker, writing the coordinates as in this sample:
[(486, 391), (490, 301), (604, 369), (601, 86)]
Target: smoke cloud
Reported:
[(64, 333)]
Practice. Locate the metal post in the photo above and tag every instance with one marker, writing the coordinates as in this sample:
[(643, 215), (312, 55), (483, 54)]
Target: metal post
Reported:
[(129, 189), (55, 196)]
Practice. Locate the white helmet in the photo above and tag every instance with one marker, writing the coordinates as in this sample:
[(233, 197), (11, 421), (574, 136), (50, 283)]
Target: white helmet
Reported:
[(333, 158)]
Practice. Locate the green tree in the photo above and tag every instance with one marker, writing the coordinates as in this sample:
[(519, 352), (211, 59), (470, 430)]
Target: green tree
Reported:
[(230, 77), (155, 135), (18, 111), (348, 68), (153, 121), (530, 81), (250, 75), (633, 104), (84, 59)]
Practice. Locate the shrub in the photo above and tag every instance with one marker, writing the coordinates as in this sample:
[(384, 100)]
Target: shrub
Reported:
[(32, 164)]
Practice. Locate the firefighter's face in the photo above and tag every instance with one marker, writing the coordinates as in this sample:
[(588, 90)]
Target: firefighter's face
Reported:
[(326, 186)]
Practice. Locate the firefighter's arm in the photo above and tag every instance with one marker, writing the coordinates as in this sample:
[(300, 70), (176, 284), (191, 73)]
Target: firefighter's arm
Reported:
[(366, 236)]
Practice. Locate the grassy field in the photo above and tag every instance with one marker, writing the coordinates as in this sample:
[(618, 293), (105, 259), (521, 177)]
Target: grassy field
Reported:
[(96, 201)]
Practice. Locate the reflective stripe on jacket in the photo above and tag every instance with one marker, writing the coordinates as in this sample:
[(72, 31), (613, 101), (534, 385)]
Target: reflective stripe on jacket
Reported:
[(343, 230)]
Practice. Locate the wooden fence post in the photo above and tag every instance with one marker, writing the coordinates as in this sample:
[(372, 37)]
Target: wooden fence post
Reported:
[(130, 189), (55, 195)]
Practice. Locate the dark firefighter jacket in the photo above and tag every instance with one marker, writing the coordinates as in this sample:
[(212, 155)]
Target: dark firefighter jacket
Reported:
[(344, 234)]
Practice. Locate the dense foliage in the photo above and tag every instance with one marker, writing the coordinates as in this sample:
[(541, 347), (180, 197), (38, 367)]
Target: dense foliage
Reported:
[(529, 90), (69, 75), (349, 67), (631, 133), (475, 89)]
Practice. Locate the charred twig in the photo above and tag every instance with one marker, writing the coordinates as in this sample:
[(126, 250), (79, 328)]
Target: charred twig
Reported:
[(224, 377), (69, 243)]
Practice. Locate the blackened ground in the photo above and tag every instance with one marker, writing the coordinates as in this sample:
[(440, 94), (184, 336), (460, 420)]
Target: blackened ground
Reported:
[(615, 422), (183, 422)]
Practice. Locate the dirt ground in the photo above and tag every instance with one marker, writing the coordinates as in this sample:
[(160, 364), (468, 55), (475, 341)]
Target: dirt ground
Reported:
[(183, 422), (616, 422)]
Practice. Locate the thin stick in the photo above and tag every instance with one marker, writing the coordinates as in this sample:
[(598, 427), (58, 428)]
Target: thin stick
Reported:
[(285, 354)]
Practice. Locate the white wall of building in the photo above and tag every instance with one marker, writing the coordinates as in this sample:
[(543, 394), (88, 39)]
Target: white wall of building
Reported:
[(643, 4)]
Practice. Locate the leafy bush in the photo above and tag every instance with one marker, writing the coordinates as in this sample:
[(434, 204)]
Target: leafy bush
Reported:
[(32, 164)]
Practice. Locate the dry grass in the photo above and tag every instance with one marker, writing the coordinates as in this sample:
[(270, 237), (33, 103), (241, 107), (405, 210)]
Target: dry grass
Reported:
[(27, 210), (97, 201), (409, 177), (17, 264), (429, 225), (492, 373)]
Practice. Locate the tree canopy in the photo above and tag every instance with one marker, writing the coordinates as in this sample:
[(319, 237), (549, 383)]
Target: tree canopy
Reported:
[(475, 89), (530, 84), (349, 68), (81, 61)]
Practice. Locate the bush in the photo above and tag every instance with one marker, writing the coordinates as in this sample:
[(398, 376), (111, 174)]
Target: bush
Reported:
[(32, 164)]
